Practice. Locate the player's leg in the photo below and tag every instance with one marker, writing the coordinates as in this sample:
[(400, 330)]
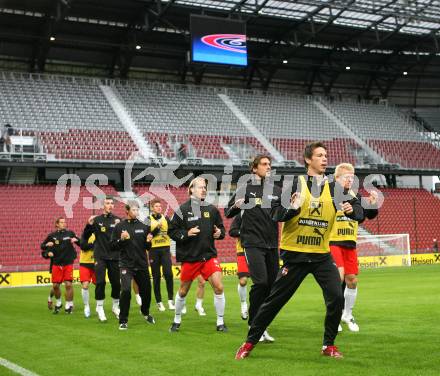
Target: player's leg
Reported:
[(49, 298), (243, 274), (287, 282), (142, 278), (126, 276), (67, 279), (100, 271), (242, 293), (85, 298), (200, 294), (185, 285), (338, 258), (155, 263), (167, 270), (57, 292), (272, 267), (216, 281), (255, 258), (85, 278), (69, 296), (350, 293), (114, 278), (327, 275), (136, 293)]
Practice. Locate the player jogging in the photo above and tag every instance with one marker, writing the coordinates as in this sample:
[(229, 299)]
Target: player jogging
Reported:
[(58, 246), (194, 227), (343, 245)]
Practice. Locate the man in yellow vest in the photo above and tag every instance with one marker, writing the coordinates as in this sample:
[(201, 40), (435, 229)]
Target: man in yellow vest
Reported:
[(343, 244), (160, 255), (304, 247), (242, 267), (86, 270)]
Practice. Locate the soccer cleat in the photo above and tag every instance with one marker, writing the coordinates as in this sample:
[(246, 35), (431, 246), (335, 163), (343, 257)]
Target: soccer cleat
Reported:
[(350, 321), (266, 337), (222, 328), (150, 319), (50, 305), (101, 314), (160, 307), (69, 310), (87, 312), (200, 310), (57, 309), (116, 311), (174, 327), (244, 311), (339, 328), (171, 305), (331, 351), (183, 310), (138, 300), (123, 326), (244, 351)]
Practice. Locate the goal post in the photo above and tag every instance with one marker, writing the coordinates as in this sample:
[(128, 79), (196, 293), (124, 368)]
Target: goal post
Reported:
[(376, 251)]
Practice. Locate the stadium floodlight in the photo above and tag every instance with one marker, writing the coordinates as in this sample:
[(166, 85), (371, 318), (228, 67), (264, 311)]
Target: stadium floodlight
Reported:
[(347, 67), (285, 61), (138, 47), (405, 73), (52, 39)]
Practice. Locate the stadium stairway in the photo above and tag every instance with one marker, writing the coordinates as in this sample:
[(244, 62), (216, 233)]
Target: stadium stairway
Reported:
[(117, 104), (252, 129), (325, 108)]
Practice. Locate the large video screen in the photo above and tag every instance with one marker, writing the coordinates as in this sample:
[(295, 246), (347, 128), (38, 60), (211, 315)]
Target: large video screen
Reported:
[(218, 40)]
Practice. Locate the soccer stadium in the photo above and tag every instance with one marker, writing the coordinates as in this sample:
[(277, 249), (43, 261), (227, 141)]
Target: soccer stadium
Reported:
[(281, 156)]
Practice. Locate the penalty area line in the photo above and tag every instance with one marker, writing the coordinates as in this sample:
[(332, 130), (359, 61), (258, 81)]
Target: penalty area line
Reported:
[(16, 368)]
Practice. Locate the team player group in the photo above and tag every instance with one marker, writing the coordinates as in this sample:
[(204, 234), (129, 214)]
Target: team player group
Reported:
[(319, 219)]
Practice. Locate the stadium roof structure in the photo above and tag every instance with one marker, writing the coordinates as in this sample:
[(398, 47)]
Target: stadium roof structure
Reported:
[(373, 44)]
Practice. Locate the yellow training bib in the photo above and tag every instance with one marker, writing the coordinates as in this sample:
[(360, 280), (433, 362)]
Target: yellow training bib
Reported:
[(310, 230), (161, 239)]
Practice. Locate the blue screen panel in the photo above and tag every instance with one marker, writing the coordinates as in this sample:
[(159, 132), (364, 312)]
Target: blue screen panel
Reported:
[(218, 41)]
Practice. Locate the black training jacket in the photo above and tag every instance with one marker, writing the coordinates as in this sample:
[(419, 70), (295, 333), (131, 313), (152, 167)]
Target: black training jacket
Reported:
[(133, 251), (63, 251), (103, 226), (200, 247), (257, 227)]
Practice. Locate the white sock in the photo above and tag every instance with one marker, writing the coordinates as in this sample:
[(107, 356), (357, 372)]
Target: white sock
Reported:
[(219, 304), (115, 303), (69, 304), (59, 302), (199, 303), (85, 296), (100, 303), (242, 293), (350, 298), (180, 303)]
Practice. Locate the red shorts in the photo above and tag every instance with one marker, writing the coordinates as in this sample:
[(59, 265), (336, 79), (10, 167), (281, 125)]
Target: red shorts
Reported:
[(61, 274), (345, 258), (190, 270), (242, 266), (87, 274)]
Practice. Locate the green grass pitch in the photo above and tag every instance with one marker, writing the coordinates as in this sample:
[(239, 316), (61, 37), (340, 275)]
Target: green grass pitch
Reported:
[(397, 311)]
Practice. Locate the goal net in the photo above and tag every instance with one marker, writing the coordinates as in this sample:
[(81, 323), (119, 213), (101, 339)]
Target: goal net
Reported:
[(376, 251)]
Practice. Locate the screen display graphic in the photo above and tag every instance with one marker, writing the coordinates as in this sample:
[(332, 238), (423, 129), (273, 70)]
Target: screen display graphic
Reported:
[(218, 40)]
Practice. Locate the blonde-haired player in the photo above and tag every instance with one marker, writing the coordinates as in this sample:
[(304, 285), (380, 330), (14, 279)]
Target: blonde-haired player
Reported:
[(194, 227), (343, 244)]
